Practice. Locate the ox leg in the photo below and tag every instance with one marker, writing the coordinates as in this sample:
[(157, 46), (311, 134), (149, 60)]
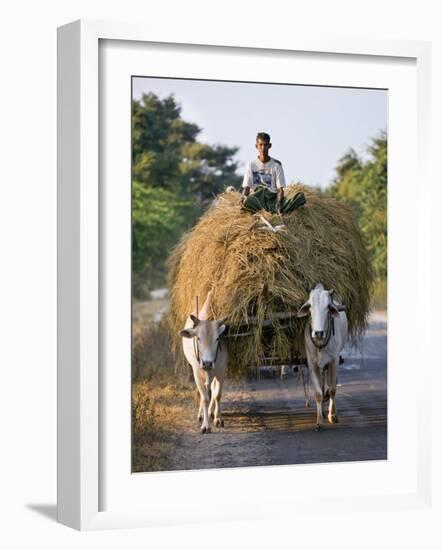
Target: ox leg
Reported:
[(212, 398), (198, 398), (204, 406), (217, 399), (332, 373), (317, 387)]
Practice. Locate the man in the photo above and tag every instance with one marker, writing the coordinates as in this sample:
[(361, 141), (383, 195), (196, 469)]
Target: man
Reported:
[(264, 176)]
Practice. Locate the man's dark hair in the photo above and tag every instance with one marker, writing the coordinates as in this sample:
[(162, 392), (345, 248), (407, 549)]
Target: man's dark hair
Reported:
[(264, 136)]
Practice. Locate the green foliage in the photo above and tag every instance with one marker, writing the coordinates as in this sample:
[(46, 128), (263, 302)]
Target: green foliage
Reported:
[(174, 179), (363, 183), (207, 170), (157, 222)]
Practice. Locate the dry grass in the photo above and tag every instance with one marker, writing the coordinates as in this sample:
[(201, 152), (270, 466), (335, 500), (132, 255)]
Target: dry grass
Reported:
[(158, 414), (161, 398), (151, 352), (255, 273)]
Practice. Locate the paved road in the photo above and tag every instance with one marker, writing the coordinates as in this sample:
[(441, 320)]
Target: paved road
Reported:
[(267, 423)]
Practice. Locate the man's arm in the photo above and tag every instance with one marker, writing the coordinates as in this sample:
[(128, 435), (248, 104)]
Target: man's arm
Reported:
[(247, 181), (280, 184), (279, 198)]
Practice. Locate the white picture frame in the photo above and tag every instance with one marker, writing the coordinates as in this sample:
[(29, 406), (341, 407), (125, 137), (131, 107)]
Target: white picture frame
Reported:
[(80, 272)]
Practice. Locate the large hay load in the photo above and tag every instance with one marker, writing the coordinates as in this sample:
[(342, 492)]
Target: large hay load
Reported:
[(260, 278)]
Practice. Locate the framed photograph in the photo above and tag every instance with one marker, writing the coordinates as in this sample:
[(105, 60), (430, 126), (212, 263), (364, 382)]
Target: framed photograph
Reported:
[(163, 146)]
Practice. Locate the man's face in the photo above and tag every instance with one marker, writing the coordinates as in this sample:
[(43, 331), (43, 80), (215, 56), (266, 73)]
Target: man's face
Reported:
[(263, 147)]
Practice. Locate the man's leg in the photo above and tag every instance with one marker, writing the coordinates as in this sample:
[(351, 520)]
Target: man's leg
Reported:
[(254, 202)]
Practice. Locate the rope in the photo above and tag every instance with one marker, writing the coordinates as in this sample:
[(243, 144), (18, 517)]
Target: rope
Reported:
[(330, 329), (196, 349)]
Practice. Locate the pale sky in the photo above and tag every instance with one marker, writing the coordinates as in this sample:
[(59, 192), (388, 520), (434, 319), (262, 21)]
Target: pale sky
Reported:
[(311, 127)]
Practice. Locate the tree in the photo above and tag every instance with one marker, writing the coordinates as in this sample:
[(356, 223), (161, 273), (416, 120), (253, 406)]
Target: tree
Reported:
[(206, 170), (166, 152), (174, 179), (158, 135), (157, 223), (364, 185)]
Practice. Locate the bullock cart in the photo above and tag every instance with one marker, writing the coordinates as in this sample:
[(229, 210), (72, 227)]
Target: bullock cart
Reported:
[(260, 268), (286, 323)]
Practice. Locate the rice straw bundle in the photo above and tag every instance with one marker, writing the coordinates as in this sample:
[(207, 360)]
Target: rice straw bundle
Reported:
[(257, 274)]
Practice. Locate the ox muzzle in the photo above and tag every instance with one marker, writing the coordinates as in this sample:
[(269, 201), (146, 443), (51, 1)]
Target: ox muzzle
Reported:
[(317, 337), (207, 365)]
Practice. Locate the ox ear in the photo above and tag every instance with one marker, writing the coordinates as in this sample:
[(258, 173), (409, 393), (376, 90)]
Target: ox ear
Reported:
[(187, 333), (221, 325), (304, 310), (195, 320), (335, 309)]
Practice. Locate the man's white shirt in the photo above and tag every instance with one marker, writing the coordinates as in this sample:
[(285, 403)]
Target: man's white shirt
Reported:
[(268, 174)]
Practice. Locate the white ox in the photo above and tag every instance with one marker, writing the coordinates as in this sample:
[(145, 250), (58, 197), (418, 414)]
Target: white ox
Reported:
[(207, 355), (325, 336)]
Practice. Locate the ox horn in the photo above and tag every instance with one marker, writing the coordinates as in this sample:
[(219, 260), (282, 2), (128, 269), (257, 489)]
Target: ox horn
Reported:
[(195, 320)]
